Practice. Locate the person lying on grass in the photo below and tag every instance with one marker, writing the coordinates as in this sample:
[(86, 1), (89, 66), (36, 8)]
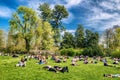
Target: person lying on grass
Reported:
[(21, 63), (112, 75), (56, 69)]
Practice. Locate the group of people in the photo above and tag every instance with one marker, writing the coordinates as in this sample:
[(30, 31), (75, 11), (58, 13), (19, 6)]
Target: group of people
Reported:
[(43, 59), (85, 60), (59, 59)]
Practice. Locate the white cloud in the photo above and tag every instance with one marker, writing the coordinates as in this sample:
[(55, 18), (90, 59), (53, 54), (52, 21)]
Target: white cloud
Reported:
[(34, 4), (99, 14), (71, 31), (5, 12), (107, 5), (111, 4), (103, 15), (71, 3)]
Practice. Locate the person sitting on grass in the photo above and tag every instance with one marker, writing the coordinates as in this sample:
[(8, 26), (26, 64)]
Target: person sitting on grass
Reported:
[(64, 59), (106, 64), (74, 62), (116, 61), (85, 61), (21, 63), (81, 58), (42, 61)]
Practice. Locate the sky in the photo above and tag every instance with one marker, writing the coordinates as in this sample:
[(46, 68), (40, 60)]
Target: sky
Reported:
[(96, 15)]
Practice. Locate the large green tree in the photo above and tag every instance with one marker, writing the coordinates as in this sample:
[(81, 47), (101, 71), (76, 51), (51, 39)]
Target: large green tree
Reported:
[(23, 23), (67, 41), (54, 17), (91, 38), (79, 37), (46, 12), (109, 38), (59, 12)]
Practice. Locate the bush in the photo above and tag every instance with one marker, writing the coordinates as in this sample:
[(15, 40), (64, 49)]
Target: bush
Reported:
[(71, 52), (15, 50), (116, 54), (68, 52), (108, 52), (79, 52), (93, 51)]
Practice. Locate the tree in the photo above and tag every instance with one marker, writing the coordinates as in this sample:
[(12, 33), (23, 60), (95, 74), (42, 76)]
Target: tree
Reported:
[(79, 37), (54, 17), (117, 36), (38, 35), (109, 37), (91, 38), (59, 12), (2, 39), (46, 12), (24, 23), (67, 40), (87, 39), (47, 39)]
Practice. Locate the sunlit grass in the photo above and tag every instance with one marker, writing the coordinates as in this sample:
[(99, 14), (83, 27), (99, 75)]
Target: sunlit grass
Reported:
[(34, 71)]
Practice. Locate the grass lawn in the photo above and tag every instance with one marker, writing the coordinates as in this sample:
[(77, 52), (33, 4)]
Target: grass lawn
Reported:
[(34, 71)]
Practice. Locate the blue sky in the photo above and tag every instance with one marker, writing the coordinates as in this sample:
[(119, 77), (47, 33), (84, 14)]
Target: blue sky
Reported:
[(96, 15)]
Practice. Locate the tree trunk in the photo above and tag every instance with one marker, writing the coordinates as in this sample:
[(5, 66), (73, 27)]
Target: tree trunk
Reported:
[(27, 44)]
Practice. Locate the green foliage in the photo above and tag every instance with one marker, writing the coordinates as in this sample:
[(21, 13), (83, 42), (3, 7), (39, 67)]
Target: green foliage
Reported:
[(59, 12), (46, 12), (116, 54), (68, 52), (54, 17), (24, 22), (93, 51), (71, 52), (67, 40), (47, 36), (91, 38), (108, 52), (79, 52), (2, 40), (79, 36)]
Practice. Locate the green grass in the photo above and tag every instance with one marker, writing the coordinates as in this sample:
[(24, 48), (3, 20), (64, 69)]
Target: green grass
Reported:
[(34, 71)]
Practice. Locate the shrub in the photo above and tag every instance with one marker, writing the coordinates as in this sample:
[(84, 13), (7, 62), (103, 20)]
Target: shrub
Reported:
[(93, 51), (108, 52), (79, 52), (68, 52), (116, 54)]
